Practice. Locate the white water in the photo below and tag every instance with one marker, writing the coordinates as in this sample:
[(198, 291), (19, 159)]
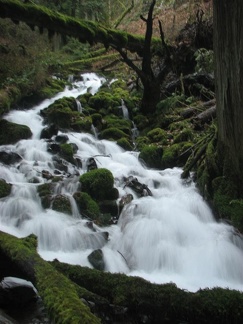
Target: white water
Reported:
[(169, 237)]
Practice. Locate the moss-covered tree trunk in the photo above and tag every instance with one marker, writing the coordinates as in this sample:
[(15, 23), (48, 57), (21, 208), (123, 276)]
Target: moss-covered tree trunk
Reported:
[(228, 49)]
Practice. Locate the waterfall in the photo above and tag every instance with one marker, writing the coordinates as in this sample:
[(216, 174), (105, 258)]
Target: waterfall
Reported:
[(170, 236)]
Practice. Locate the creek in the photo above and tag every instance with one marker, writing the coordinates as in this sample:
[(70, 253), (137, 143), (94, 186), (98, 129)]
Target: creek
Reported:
[(171, 236)]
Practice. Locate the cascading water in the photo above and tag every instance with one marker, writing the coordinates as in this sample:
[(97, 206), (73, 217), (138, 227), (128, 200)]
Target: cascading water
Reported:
[(170, 236)]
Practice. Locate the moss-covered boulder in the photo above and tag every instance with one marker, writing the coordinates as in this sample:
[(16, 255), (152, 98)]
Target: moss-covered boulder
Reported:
[(113, 133), (157, 135), (45, 192), (151, 155), (5, 188), (11, 133), (98, 183), (86, 205), (61, 203), (176, 155), (96, 258), (67, 152), (125, 144)]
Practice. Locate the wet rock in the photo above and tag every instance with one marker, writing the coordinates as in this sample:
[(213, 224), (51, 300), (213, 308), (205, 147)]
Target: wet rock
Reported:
[(139, 188), (61, 139), (126, 199), (91, 164), (49, 131), (46, 174), (53, 148), (61, 203), (9, 157), (5, 188), (16, 291), (96, 258), (109, 207)]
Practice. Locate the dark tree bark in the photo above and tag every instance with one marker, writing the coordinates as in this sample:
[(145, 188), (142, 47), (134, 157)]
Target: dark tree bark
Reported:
[(228, 49)]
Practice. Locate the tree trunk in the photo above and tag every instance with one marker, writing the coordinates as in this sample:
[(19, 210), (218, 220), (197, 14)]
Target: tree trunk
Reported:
[(151, 96), (228, 49)]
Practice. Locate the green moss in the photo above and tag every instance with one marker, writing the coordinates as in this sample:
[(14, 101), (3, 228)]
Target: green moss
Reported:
[(67, 152), (170, 103), (160, 303), (82, 124), (125, 144), (183, 136), (5, 188), (170, 154), (45, 192), (225, 202), (113, 133), (97, 183), (86, 205), (11, 133), (151, 155), (61, 203), (119, 123), (58, 293), (103, 100), (157, 135), (52, 87), (141, 141)]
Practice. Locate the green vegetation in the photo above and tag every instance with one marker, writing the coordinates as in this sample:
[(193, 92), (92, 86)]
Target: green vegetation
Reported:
[(11, 133), (86, 205), (98, 183)]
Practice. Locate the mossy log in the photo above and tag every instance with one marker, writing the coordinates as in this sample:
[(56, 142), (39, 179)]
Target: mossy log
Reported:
[(159, 303), (54, 22), (18, 257), (62, 287)]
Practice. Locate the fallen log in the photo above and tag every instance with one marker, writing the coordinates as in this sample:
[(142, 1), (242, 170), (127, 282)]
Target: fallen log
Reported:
[(204, 117), (159, 303), (66, 289), (18, 257)]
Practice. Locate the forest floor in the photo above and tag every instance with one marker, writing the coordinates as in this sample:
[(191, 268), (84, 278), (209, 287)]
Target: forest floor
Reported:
[(172, 19)]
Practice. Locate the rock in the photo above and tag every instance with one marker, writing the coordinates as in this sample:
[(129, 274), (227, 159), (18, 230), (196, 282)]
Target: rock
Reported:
[(9, 157), (5, 188), (139, 188), (16, 291), (49, 131), (61, 139), (91, 164), (96, 258)]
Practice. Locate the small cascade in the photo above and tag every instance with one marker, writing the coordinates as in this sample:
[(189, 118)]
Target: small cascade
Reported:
[(79, 106), (124, 109), (168, 236), (94, 131)]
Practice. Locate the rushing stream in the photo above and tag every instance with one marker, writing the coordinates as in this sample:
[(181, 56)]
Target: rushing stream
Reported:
[(170, 236)]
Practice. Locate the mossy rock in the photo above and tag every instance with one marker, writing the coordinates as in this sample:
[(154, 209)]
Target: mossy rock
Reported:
[(125, 144), (184, 135), (151, 155), (225, 201), (98, 183), (86, 205), (61, 203), (104, 100), (157, 135), (141, 122), (82, 124), (141, 142), (113, 133), (52, 87), (10, 133), (122, 124), (170, 156), (5, 188), (62, 113), (96, 258), (45, 192), (67, 152)]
